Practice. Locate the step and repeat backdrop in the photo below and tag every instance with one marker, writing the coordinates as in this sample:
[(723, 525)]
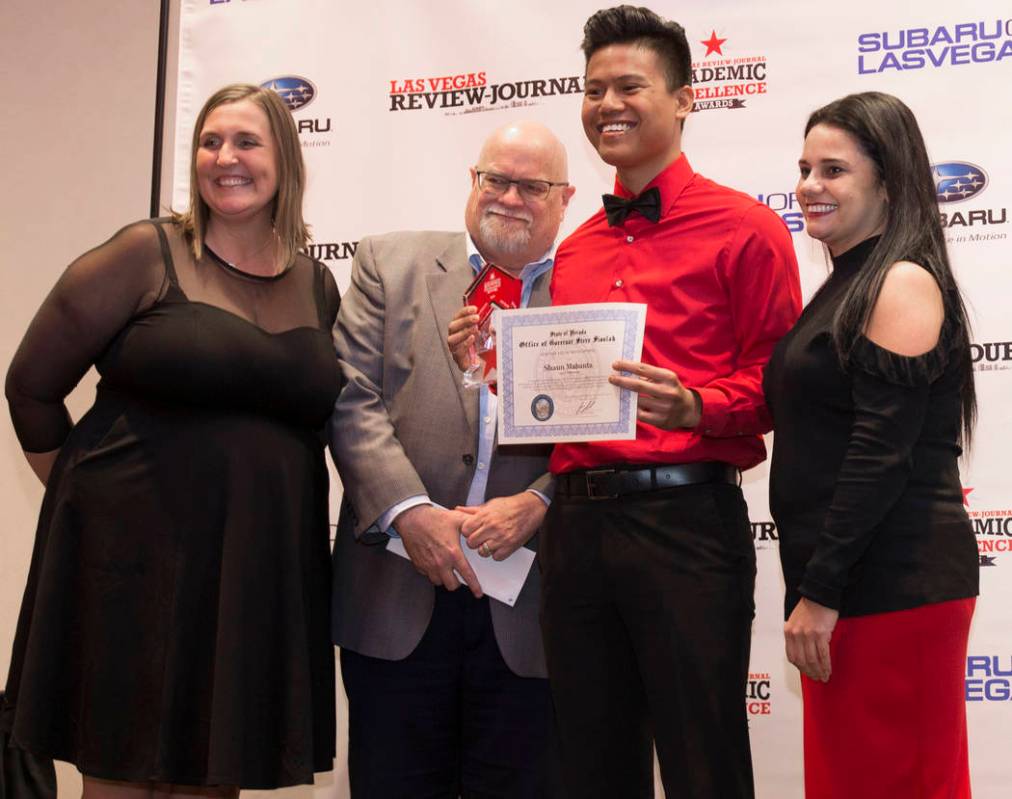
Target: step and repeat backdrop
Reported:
[(393, 99)]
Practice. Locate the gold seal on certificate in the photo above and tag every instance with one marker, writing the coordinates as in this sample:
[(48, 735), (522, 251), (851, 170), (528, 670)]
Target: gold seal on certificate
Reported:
[(554, 365)]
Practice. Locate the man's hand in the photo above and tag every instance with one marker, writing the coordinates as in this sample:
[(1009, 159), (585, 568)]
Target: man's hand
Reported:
[(462, 334), (807, 633), (502, 525), (432, 539), (663, 401)]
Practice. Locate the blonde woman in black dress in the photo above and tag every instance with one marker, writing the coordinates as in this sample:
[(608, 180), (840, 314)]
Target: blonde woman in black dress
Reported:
[(174, 637)]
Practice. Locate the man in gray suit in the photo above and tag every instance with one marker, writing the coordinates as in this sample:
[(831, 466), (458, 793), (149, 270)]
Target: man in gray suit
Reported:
[(447, 689)]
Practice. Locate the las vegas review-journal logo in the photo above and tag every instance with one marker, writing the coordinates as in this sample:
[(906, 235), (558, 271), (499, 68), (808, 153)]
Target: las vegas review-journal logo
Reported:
[(991, 356), (725, 81), (988, 678), (992, 527), (297, 93), (960, 44), (473, 92), (959, 186), (331, 251), (764, 535)]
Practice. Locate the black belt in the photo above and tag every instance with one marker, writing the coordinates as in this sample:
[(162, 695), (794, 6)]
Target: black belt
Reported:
[(609, 483)]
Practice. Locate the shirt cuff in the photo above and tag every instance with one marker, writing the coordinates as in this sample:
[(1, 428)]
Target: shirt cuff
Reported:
[(384, 524), (713, 414), (821, 593), (542, 497)]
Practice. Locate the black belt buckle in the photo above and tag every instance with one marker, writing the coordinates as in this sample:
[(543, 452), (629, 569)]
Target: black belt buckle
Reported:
[(592, 488)]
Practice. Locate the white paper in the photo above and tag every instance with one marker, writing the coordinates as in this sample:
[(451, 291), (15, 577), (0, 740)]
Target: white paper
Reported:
[(500, 579)]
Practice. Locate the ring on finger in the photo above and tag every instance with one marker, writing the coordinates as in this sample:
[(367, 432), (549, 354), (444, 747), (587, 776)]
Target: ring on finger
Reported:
[(484, 550)]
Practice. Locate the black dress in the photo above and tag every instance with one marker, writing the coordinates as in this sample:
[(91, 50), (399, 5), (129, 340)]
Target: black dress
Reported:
[(175, 624), (864, 480)]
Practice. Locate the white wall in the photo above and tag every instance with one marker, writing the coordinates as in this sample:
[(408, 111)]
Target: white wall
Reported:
[(77, 88), (77, 85)]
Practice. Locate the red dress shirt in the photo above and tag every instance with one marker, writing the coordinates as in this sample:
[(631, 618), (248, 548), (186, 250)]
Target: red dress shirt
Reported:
[(720, 279)]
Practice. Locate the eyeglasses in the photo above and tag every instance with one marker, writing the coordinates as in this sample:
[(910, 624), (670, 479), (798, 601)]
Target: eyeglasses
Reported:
[(491, 183)]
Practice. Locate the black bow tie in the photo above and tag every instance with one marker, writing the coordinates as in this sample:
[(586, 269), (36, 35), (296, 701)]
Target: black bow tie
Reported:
[(618, 208)]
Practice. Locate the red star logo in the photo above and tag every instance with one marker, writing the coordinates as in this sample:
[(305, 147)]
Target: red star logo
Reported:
[(966, 493), (713, 44)]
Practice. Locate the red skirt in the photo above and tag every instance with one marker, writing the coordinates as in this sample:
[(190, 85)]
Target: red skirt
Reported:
[(891, 721)]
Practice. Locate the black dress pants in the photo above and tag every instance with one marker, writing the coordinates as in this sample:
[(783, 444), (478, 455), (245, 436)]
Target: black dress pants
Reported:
[(647, 606), (449, 720)]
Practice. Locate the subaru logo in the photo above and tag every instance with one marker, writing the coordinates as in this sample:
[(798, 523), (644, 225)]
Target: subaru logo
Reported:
[(956, 181), (295, 91)]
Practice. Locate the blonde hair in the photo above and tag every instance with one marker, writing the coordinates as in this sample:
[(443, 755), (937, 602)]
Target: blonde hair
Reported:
[(286, 213)]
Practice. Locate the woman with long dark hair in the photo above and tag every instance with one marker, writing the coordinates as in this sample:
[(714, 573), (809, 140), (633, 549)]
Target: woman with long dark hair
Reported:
[(872, 397)]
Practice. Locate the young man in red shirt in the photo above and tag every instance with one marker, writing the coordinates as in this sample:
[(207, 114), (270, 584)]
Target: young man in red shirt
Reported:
[(648, 562)]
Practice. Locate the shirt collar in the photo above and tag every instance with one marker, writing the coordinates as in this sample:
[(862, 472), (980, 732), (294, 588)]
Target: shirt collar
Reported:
[(671, 180), (528, 274)]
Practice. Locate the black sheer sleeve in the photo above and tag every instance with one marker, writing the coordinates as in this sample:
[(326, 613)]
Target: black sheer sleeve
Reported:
[(92, 301), (891, 394), (332, 297)]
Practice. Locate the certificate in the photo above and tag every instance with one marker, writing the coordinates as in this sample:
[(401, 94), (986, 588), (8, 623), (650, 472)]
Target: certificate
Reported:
[(554, 365)]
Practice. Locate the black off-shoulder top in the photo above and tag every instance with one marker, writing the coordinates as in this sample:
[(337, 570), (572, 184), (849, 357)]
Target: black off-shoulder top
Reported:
[(864, 480)]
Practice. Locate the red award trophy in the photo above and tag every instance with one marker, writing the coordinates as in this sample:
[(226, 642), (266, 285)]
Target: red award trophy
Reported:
[(492, 288)]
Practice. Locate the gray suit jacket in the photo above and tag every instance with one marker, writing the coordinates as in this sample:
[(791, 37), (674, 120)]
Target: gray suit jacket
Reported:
[(404, 425)]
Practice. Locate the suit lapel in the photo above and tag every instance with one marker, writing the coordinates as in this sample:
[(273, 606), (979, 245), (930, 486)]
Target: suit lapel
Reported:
[(446, 288)]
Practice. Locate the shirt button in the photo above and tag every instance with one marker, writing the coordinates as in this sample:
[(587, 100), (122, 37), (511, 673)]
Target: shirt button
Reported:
[(481, 465), (629, 239), (619, 283), (468, 459), (488, 419)]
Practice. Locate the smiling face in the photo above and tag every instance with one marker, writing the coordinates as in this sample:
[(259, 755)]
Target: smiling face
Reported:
[(236, 162), (509, 229), (630, 115), (839, 190)]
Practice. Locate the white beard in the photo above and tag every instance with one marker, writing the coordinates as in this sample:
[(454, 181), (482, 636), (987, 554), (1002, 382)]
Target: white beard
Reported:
[(502, 236)]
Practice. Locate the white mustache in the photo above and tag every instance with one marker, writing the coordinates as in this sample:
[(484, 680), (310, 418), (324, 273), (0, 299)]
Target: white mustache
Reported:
[(502, 210)]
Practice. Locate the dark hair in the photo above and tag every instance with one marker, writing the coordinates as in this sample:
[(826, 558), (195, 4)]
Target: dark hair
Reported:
[(641, 26), (887, 132)]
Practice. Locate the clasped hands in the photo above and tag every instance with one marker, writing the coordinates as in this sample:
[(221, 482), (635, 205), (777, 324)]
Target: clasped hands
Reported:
[(498, 527), (663, 401)]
